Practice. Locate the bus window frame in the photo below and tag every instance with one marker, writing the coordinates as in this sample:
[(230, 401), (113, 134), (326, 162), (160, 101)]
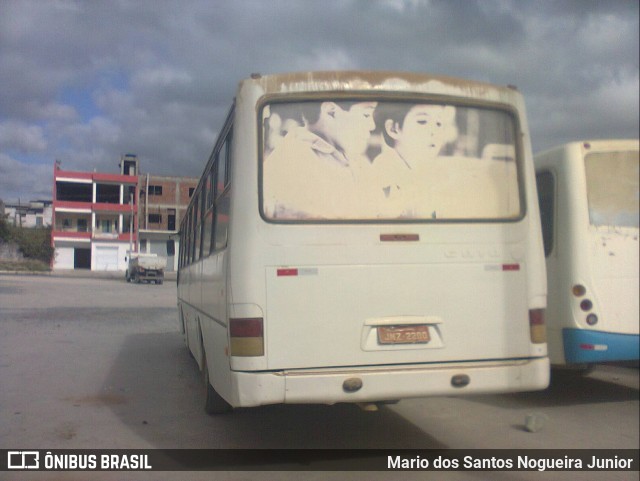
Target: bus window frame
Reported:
[(340, 96), (225, 192), (198, 209), (548, 236)]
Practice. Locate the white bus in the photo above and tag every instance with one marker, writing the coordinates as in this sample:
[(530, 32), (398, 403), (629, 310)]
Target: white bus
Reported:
[(588, 195), (364, 237)]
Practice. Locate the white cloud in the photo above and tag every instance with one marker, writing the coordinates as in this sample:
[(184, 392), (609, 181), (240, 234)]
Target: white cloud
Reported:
[(620, 96), (401, 6), (15, 135), (331, 59), (99, 130), (608, 111), (19, 180), (163, 76), (52, 111)]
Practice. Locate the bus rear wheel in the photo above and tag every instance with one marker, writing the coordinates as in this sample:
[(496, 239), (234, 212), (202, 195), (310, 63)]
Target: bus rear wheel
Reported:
[(214, 403)]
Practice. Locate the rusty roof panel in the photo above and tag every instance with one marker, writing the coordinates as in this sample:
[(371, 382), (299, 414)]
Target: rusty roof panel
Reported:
[(345, 81)]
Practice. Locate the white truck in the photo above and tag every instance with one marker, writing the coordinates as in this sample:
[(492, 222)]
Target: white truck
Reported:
[(146, 267)]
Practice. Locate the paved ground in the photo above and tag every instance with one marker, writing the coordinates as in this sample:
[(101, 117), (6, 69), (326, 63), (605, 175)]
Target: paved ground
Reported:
[(90, 362)]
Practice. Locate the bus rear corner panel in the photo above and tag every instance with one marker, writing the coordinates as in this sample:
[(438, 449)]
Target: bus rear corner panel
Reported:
[(376, 385)]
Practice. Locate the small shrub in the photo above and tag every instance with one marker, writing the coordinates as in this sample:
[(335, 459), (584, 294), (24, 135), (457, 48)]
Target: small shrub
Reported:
[(34, 243)]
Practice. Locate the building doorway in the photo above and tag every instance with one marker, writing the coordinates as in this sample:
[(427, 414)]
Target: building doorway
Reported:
[(81, 258)]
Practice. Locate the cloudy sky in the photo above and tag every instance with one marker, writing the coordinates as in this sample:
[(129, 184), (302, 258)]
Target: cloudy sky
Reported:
[(88, 80)]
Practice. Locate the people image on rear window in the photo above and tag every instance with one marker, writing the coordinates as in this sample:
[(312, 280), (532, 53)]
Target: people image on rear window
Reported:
[(311, 168), (395, 160), (413, 136)]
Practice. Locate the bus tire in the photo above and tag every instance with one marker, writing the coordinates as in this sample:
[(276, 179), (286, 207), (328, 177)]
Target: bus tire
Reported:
[(214, 403)]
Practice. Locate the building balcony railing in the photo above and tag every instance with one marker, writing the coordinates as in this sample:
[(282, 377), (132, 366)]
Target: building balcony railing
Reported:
[(70, 176), (70, 234), (96, 235), (124, 208), (61, 205), (124, 237), (66, 205)]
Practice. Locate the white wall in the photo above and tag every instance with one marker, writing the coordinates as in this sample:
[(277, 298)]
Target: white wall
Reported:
[(109, 256), (63, 258)]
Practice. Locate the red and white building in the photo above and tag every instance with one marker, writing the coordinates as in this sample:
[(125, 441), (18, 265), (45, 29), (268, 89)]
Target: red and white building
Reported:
[(95, 217)]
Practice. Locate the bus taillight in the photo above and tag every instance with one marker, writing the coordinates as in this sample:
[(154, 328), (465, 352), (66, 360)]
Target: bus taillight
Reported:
[(537, 328), (246, 337)]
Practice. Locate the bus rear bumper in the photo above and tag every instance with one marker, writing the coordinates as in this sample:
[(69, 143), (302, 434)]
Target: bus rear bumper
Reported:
[(389, 383), (582, 346)]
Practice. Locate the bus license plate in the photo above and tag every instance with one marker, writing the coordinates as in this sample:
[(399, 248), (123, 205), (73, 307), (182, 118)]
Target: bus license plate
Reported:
[(403, 334)]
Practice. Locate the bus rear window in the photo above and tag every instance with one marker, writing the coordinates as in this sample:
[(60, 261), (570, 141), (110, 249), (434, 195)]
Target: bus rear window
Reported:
[(380, 160), (612, 188)]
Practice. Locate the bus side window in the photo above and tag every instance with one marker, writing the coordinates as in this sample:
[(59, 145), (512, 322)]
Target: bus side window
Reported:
[(196, 226), (221, 162), (208, 243), (201, 223), (190, 239), (223, 194), (546, 199)]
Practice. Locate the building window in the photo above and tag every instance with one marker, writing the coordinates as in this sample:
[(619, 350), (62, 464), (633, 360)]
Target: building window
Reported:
[(82, 225), (171, 220), (74, 192), (155, 218), (191, 191), (107, 194), (155, 190)]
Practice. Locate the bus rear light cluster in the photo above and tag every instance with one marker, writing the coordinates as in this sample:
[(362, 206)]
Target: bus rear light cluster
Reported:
[(579, 290), (592, 319), (586, 305), (538, 332), (246, 337)]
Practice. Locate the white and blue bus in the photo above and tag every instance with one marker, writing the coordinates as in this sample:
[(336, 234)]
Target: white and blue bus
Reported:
[(588, 195), (365, 237)]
